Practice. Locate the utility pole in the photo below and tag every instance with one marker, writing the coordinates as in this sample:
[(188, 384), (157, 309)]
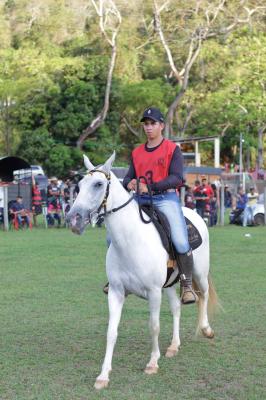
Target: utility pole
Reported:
[(240, 153)]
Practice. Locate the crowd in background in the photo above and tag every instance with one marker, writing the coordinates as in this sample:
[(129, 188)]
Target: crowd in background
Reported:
[(57, 201), (204, 198), (51, 201)]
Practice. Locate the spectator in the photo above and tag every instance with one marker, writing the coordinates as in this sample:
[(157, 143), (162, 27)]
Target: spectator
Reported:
[(207, 190), (36, 201), (213, 206), (66, 196), (198, 196), (53, 189), (227, 197), (252, 198), (54, 202), (54, 212), (20, 213), (189, 198), (203, 194), (241, 201)]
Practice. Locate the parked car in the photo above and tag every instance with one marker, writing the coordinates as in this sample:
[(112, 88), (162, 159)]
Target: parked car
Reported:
[(36, 170), (236, 216), (259, 214)]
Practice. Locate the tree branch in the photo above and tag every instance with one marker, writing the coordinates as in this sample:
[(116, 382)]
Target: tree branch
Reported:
[(114, 26), (130, 128), (158, 28), (200, 34)]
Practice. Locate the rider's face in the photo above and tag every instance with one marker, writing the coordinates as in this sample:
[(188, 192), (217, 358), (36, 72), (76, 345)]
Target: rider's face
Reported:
[(152, 129)]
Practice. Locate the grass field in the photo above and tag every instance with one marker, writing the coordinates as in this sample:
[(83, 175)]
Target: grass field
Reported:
[(53, 318)]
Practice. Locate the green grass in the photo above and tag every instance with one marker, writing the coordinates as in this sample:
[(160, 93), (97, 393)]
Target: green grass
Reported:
[(53, 318)]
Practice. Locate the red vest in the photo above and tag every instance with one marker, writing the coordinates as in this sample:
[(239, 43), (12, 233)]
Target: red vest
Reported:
[(36, 197), (154, 164)]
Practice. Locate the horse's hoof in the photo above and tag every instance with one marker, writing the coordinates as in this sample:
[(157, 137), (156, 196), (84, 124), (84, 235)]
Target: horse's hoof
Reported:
[(151, 370), (171, 353), (101, 384), (208, 332)]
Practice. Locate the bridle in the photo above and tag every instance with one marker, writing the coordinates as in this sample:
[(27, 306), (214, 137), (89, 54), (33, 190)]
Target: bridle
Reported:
[(107, 191)]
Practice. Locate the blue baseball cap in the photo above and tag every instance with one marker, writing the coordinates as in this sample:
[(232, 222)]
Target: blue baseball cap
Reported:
[(152, 113)]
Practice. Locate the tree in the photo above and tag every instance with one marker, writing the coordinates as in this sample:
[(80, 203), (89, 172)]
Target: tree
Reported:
[(204, 21)]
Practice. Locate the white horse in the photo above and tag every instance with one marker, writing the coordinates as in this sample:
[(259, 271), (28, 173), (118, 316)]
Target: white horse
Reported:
[(136, 261)]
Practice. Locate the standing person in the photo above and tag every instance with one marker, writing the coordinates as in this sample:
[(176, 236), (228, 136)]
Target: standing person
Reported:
[(213, 206), (189, 198), (207, 193), (198, 196), (252, 198), (161, 162), (54, 202), (53, 189), (227, 197), (36, 201)]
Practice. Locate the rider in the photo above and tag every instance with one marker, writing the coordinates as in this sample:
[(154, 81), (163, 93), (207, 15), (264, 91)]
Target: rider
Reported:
[(161, 162)]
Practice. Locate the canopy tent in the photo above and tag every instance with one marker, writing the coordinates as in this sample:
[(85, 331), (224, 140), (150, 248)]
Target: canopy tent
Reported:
[(10, 164)]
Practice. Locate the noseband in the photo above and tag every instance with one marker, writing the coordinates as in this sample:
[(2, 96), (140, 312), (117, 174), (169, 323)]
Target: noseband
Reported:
[(107, 191)]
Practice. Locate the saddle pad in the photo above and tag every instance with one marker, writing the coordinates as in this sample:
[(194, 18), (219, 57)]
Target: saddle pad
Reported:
[(194, 237)]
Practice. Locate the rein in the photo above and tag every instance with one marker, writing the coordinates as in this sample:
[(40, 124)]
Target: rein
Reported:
[(150, 198), (104, 202)]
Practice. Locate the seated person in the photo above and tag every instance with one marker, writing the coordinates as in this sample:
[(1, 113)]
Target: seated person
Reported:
[(53, 211), (19, 211), (241, 201)]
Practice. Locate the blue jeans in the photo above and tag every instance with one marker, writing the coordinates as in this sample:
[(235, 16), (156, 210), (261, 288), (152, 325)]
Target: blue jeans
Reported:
[(248, 215), (21, 218), (169, 204)]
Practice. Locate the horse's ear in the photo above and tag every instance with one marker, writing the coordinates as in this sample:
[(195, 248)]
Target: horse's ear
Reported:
[(108, 164), (87, 163)]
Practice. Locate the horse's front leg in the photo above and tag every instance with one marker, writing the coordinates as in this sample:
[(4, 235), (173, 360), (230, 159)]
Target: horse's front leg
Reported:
[(155, 297), (115, 302)]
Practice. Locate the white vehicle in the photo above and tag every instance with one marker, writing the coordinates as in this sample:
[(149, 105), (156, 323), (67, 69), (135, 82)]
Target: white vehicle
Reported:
[(37, 170), (26, 173), (259, 214)]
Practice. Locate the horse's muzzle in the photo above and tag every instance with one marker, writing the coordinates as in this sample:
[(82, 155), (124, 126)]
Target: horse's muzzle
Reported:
[(78, 222)]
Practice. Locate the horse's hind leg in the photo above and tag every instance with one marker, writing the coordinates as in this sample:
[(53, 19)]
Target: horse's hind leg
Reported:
[(202, 285), (155, 297), (175, 306), (115, 301)]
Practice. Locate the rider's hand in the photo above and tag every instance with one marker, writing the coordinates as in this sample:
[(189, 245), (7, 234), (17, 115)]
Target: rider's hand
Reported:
[(132, 185), (143, 188)]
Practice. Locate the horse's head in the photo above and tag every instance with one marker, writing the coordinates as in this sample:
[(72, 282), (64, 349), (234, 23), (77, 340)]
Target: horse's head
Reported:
[(92, 197)]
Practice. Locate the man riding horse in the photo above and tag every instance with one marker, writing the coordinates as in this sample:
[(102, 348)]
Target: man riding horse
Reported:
[(160, 161)]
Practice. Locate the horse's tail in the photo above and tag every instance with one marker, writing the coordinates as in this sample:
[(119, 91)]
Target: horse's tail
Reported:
[(213, 301)]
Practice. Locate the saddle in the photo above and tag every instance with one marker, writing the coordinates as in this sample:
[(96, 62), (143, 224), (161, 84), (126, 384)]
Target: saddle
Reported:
[(163, 227)]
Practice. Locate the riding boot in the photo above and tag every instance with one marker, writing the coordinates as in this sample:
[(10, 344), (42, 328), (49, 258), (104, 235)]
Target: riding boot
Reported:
[(187, 294)]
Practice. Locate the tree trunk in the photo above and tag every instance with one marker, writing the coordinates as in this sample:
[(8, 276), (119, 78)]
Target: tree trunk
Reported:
[(102, 115), (260, 146)]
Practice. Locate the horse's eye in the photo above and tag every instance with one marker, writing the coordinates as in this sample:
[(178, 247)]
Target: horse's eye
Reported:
[(98, 184)]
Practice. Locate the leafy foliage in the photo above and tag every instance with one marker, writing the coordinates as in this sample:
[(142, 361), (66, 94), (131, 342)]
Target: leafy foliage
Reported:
[(53, 67)]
